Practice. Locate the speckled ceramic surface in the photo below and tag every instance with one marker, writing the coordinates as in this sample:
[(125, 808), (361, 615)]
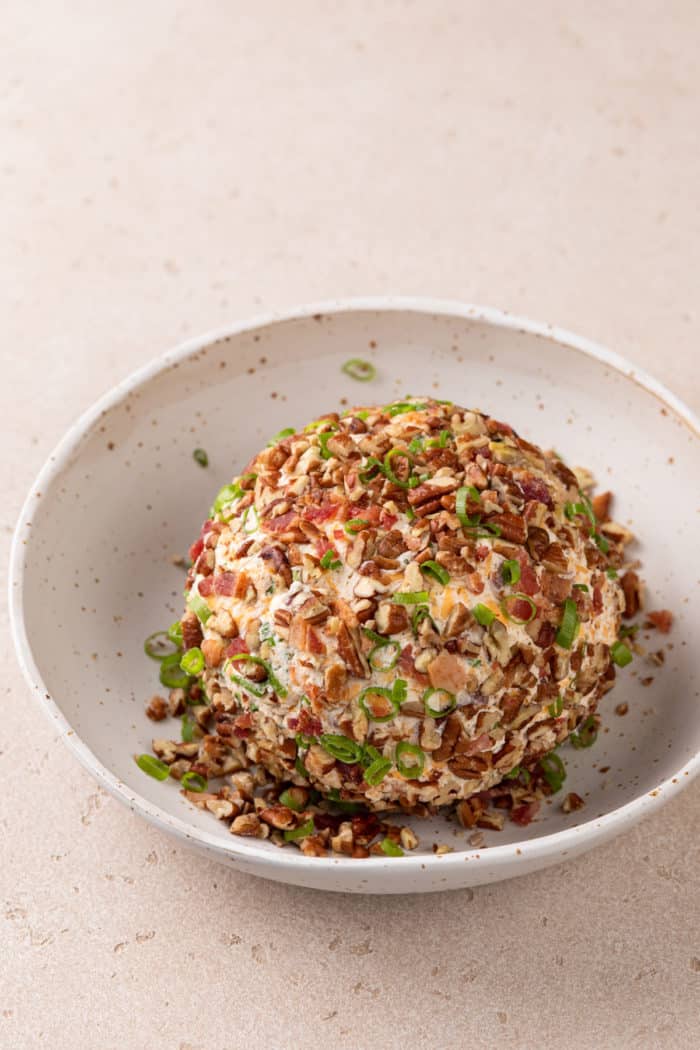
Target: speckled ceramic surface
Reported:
[(92, 570)]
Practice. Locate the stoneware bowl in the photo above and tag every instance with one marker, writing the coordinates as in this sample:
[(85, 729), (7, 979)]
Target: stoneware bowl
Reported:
[(92, 570)]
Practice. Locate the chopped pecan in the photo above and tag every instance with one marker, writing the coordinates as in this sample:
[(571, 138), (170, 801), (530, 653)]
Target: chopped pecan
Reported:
[(556, 588), (537, 541), (157, 708), (212, 650), (572, 801), (512, 526), (632, 590), (349, 649), (450, 735), (470, 767), (191, 631), (391, 618), (554, 559), (661, 619)]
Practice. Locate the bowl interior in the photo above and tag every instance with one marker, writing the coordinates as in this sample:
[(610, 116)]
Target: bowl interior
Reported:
[(99, 577)]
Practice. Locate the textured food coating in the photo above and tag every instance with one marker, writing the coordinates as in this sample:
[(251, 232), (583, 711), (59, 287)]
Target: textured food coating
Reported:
[(420, 550)]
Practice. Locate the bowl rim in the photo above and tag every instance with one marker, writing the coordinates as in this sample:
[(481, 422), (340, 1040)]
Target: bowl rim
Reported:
[(552, 845)]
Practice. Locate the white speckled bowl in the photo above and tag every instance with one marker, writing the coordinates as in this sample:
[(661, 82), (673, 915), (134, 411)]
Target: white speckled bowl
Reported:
[(91, 573)]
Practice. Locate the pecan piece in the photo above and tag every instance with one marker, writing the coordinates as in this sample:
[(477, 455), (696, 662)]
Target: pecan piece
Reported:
[(554, 559), (157, 708), (512, 526), (537, 541), (632, 590), (191, 631), (391, 618), (349, 649)]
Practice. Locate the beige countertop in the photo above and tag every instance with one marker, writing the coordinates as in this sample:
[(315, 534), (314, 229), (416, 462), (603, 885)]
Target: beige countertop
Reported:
[(168, 168)]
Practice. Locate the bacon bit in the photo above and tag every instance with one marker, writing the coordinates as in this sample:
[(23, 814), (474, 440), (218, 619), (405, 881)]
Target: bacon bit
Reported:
[(361, 510), (482, 552), (206, 586), (320, 513), (597, 599), (406, 664), (535, 489), (281, 523), (480, 743), (474, 583), (554, 587), (661, 619), (519, 609), (225, 584), (387, 520), (525, 814), (235, 647), (307, 723), (242, 725), (322, 546), (451, 672), (528, 582), (196, 549), (546, 636), (365, 826)]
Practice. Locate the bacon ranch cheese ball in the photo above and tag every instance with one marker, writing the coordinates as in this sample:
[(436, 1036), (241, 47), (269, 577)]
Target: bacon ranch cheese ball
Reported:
[(401, 605)]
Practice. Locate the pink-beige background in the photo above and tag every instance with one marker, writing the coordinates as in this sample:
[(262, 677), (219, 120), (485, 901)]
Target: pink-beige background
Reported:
[(166, 168)]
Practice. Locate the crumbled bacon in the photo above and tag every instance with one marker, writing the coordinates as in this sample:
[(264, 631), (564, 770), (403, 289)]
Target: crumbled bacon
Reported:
[(661, 619)]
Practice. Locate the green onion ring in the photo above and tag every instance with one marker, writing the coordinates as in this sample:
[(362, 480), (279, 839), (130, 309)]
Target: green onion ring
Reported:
[(383, 647), (554, 770), (272, 678), (483, 615), (341, 747), (359, 369), (518, 596), (154, 644), (301, 832), (388, 694), (193, 782), (171, 674), (510, 571), (437, 571), (391, 848), (411, 598), (569, 625), (438, 712), (192, 662), (153, 766), (411, 770)]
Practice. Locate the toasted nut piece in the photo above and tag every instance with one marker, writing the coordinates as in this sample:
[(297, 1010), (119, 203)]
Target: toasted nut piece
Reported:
[(391, 618), (458, 620), (312, 846), (491, 819), (220, 807), (212, 650), (318, 761), (244, 784), (157, 708), (344, 840), (408, 838), (572, 802), (632, 590), (176, 701), (250, 825), (278, 816)]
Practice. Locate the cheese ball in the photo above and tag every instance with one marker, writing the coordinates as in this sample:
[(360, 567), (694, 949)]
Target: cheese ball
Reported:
[(402, 605)]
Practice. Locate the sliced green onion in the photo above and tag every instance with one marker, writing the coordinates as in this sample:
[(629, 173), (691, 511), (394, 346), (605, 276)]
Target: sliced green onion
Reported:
[(341, 747), (399, 690), (600, 542), (611, 574), (198, 605), (620, 654), (200, 456), (355, 525), (510, 571), (411, 769), (410, 513), (171, 674), (250, 520), (272, 678), (175, 633), (554, 770), (323, 440), (586, 735), (411, 598), (280, 435), (391, 848), (581, 587), (557, 707), (290, 800), (442, 702), (416, 445), (159, 645), (420, 614), (399, 408), (437, 571), (153, 766), (400, 453), (628, 632), (358, 369), (187, 730), (519, 771), (192, 661), (301, 768), (330, 560), (387, 694), (520, 597), (391, 651), (372, 465), (461, 507), (227, 494), (341, 804), (569, 626), (317, 424), (483, 615), (376, 771), (194, 782), (572, 509), (301, 832), (441, 441)]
